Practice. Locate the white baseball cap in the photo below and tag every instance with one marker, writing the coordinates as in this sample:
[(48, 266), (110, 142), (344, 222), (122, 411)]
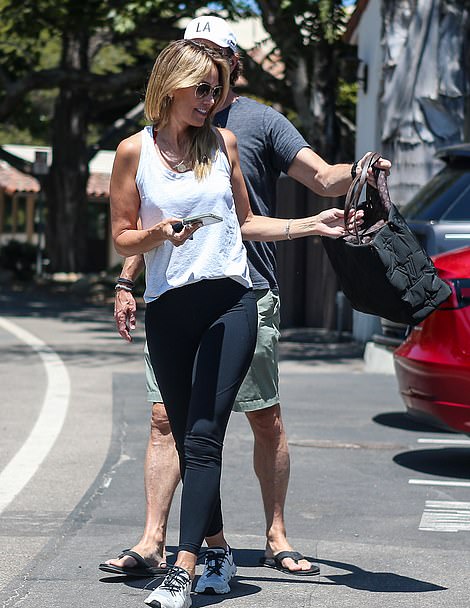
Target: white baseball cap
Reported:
[(214, 29)]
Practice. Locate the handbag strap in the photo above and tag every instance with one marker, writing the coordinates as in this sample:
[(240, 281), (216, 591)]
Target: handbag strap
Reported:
[(382, 189), (375, 196)]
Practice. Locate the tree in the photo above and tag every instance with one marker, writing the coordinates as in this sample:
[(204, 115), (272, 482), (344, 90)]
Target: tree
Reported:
[(308, 35), (84, 63), (61, 48)]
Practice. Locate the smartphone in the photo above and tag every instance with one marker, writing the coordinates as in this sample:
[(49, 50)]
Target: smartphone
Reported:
[(204, 218)]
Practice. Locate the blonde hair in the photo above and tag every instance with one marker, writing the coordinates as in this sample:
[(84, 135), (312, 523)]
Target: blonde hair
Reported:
[(182, 64)]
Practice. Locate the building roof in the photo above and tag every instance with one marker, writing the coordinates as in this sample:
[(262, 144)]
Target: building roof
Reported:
[(354, 21), (98, 185), (14, 181)]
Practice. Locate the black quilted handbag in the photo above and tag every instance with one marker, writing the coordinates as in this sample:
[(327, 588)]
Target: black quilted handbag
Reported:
[(381, 267)]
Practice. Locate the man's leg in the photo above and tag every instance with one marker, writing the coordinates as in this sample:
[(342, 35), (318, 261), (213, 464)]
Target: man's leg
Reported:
[(161, 477), (272, 467)]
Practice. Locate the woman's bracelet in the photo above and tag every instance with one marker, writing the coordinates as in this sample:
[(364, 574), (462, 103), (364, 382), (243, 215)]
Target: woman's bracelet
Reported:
[(287, 230), (125, 287), (124, 281)]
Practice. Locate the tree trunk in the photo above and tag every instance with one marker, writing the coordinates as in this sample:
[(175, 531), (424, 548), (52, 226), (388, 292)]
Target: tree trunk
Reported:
[(324, 128), (66, 186)]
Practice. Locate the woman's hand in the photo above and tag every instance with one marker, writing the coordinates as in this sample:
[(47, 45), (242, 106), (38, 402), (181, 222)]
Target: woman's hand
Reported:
[(135, 241), (124, 313), (331, 222), (180, 237)]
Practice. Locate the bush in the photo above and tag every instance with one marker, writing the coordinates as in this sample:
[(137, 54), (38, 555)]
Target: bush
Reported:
[(20, 258)]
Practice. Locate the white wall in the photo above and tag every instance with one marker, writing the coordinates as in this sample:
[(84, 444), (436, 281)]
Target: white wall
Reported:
[(368, 37), (369, 51)]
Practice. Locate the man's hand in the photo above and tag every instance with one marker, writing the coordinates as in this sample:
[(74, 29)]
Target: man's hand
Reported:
[(382, 163), (124, 313)]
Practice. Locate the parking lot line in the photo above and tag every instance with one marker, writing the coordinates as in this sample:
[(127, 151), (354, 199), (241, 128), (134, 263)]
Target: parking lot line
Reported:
[(445, 441), (436, 482), (38, 444), (445, 516)]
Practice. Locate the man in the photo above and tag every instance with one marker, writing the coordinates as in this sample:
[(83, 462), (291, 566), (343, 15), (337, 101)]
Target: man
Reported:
[(268, 145)]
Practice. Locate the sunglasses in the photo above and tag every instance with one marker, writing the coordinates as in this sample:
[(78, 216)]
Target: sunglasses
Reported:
[(203, 89)]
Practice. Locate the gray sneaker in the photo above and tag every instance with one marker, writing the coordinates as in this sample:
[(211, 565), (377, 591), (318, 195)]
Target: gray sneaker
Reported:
[(174, 592), (219, 569)]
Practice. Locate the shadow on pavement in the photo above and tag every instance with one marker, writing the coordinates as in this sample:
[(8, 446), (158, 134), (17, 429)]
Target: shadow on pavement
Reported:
[(96, 321), (297, 344), (376, 582), (401, 420), (53, 305), (443, 462), (241, 586), (238, 589)]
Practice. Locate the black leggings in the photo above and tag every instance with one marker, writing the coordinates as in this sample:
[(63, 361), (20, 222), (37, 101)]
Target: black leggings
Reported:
[(201, 339)]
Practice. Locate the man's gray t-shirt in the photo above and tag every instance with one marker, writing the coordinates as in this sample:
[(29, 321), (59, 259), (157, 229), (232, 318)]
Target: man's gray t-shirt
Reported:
[(267, 144)]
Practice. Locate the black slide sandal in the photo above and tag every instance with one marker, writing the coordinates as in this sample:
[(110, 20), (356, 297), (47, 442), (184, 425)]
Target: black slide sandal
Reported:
[(276, 563), (141, 570)]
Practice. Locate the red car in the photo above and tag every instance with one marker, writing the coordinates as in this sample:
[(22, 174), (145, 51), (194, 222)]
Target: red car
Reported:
[(433, 363)]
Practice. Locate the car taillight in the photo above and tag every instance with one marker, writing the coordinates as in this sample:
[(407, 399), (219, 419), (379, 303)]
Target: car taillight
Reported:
[(462, 287), (460, 296)]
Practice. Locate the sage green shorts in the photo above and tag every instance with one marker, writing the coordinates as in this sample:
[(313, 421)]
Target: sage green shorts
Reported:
[(260, 389)]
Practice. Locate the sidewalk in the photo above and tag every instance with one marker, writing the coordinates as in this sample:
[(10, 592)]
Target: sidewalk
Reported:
[(313, 344)]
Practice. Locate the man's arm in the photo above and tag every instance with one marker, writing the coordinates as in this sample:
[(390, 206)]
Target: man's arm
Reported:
[(324, 179), (262, 228), (124, 302)]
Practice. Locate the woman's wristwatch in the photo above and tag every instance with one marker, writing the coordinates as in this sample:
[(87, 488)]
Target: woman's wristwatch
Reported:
[(354, 169)]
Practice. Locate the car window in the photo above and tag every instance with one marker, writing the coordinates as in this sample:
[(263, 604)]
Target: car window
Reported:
[(459, 210), (447, 190)]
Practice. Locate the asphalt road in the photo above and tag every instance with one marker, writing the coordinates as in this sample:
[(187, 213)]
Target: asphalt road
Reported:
[(380, 502)]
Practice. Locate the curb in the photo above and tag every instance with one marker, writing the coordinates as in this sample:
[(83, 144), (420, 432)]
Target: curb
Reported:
[(378, 359)]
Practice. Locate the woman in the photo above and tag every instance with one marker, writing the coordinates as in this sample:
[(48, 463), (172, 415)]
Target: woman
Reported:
[(201, 315)]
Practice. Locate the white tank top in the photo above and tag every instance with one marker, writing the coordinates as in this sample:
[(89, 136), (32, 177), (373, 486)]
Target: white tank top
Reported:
[(216, 251)]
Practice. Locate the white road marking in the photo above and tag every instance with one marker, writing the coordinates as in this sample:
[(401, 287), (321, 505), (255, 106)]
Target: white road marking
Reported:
[(445, 516), (445, 441), (43, 435), (436, 482)]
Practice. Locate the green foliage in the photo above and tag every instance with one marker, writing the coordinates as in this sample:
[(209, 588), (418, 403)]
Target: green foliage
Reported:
[(347, 99), (102, 37), (85, 62), (324, 22), (11, 134), (308, 35), (35, 34), (111, 59)]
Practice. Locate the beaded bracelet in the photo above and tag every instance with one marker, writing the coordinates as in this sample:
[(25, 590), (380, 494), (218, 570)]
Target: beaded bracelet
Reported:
[(125, 287)]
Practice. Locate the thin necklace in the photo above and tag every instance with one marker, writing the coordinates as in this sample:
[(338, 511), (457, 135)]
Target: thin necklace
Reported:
[(180, 167)]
